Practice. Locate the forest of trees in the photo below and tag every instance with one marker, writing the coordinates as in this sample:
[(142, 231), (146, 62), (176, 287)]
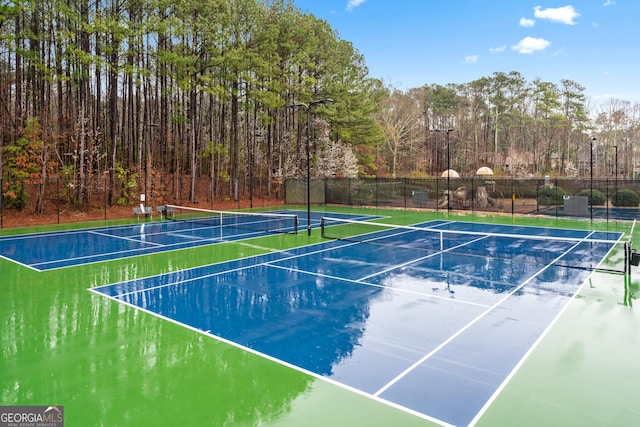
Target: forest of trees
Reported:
[(519, 128), (138, 93)]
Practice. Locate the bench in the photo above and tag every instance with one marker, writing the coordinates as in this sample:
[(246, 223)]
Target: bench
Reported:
[(165, 211), (138, 211)]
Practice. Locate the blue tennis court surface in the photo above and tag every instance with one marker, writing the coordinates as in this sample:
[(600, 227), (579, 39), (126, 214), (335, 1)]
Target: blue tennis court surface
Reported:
[(436, 334), (46, 251)]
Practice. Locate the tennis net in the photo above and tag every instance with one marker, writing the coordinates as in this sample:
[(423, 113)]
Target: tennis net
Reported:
[(267, 222), (601, 251)]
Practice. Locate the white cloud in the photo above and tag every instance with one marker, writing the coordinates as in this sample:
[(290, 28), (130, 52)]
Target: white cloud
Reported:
[(524, 22), (530, 45), (497, 49), (564, 15), (354, 3), (608, 3), (471, 59)]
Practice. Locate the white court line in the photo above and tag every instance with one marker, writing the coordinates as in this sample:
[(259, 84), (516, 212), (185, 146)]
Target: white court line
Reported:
[(20, 263), (184, 236), (217, 273), (130, 239), (276, 360), (116, 255), (375, 396), (471, 323), (422, 258), (270, 264), (106, 254), (187, 245), (39, 234), (518, 365), (376, 285), (240, 242)]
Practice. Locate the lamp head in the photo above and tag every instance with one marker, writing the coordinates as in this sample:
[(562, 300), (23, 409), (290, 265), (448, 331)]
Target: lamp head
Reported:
[(321, 101)]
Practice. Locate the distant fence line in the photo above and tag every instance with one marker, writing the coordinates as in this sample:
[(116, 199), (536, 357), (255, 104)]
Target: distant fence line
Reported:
[(505, 195), (58, 200)]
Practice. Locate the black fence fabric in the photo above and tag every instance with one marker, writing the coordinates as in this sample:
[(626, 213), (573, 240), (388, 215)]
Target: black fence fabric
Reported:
[(574, 197), (608, 199), (63, 200)]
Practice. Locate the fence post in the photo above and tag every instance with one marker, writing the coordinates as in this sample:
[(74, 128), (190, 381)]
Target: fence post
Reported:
[(105, 183), (58, 198), (437, 195), (555, 181), (1, 200), (473, 194), (349, 190), (326, 180), (376, 190), (404, 192), (513, 196), (606, 204)]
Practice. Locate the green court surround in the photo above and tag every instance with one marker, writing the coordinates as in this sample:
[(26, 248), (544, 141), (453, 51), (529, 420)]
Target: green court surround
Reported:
[(112, 365)]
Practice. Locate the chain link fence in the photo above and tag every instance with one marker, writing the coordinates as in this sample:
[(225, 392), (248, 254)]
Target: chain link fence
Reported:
[(607, 199), (61, 200)]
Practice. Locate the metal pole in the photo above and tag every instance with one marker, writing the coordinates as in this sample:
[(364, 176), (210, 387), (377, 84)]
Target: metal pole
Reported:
[(591, 178), (58, 198), (308, 170), (251, 148), (308, 111), (448, 175), (448, 131), (105, 183), (616, 169), (147, 145)]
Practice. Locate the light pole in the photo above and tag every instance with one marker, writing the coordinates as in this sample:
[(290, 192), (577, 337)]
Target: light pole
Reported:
[(153, 126), (448, 131), (593, 138), (615, 147), (307, 108)]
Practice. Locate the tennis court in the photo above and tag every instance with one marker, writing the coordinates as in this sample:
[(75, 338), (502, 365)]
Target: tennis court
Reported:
[(194, 227), (446, 320), (389, 313)]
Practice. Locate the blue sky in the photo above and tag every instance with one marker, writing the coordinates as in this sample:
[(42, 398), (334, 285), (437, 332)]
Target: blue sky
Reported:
[(409, 43)]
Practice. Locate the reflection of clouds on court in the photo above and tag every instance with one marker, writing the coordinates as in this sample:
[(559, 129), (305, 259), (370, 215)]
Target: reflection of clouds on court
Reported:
[(444, 285), (401, 328), (266, 309)]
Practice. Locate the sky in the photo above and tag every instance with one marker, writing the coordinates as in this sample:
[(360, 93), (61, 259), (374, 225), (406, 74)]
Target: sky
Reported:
[(410, 43)]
